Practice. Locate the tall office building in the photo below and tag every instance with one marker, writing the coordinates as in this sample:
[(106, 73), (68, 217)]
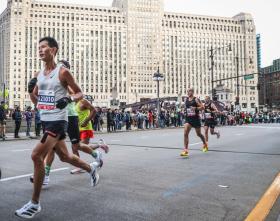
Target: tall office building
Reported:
[(269, 95), (118, 49), (259, 52)]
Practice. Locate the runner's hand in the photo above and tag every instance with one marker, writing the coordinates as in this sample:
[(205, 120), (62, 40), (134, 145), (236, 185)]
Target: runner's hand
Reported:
[(84, 123), (31, 85), (63, 102)]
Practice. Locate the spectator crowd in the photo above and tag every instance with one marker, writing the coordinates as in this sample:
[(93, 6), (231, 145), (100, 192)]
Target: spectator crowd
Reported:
[(125, 119)]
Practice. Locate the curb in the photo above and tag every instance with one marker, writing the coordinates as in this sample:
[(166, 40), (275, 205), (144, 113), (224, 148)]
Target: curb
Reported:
[(264, 205)]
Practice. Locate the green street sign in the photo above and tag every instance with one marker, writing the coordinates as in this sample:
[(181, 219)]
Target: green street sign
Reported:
[(248, 77)]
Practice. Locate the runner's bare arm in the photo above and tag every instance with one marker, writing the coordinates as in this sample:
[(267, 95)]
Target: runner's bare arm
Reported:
[(215, 108), (68, 81), (92, 113), (34, 94), (200, 106)]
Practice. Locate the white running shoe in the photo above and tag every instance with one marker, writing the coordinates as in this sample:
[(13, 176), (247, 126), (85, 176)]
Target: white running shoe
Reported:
[(77, 170), (45, 182), (29, 210), (103, 145), (94, 176)]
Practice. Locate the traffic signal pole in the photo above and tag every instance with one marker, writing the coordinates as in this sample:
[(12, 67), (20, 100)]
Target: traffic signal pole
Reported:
[(212, 70), (237, 79)]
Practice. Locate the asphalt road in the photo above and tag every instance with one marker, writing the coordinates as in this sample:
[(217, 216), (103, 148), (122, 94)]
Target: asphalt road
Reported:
[(144, 178)]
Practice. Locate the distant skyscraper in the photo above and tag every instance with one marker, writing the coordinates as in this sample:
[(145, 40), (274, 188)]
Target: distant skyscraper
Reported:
[(119, 48), (259, 52), (269, 95)]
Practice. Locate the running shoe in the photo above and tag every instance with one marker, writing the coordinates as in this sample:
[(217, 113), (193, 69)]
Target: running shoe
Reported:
[(103, 145), (29, 210), (77, 170), (94, 176), (205, 148), (184, 153), (218, 134), (45, 182)]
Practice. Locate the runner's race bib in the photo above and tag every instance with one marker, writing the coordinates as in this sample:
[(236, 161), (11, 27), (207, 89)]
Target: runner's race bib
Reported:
[(190, 112), (208, 115), (46, 100)]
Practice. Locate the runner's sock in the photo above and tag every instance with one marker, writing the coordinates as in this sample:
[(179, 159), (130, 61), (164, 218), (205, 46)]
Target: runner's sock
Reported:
[(47, 170), (94, 154)]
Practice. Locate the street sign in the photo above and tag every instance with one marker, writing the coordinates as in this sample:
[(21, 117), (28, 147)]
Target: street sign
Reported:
[(248, 77)]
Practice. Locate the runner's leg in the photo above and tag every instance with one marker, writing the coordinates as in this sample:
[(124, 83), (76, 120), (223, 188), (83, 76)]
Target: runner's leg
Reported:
[(65, 156), (206, 128), (213, 132), (187, 130), (199, 134), (48, 161), (38, 155)]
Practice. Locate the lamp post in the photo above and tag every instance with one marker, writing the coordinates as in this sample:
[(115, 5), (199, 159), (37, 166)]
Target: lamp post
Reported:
[(4, 93), (158, 77), (213, 52)]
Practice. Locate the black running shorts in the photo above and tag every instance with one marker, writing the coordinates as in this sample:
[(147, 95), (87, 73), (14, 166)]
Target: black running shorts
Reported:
[(194, 122), (2, 122), (73, 129), (55, 128), (210, 123)]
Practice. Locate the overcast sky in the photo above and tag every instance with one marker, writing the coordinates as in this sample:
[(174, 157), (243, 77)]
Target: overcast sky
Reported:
[(265, 12)]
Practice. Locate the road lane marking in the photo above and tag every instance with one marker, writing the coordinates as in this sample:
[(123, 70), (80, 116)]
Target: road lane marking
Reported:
[(239, 134), (152, 147), (115, 140), (193, 144), (30, 174), (260, 127), (21, 150), (263, 207)]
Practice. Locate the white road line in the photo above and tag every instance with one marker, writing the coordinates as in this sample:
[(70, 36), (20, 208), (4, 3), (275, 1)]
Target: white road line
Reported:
[(260, 127), (20, 150), (115, 140), (192, 144), (239, 134), (28, 175)]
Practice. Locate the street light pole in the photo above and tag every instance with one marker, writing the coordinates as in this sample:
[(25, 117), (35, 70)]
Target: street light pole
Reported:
[(158, 77), (4, 96), (158, 95), (212, 70), (212, 53), (237, 79)]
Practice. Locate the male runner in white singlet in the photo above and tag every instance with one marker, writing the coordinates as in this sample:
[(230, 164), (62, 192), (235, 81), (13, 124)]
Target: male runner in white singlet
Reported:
[(48, 90)]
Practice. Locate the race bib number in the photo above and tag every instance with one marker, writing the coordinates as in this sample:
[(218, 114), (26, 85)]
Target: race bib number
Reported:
[(208, 115), (46, 100), (190, 112)]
